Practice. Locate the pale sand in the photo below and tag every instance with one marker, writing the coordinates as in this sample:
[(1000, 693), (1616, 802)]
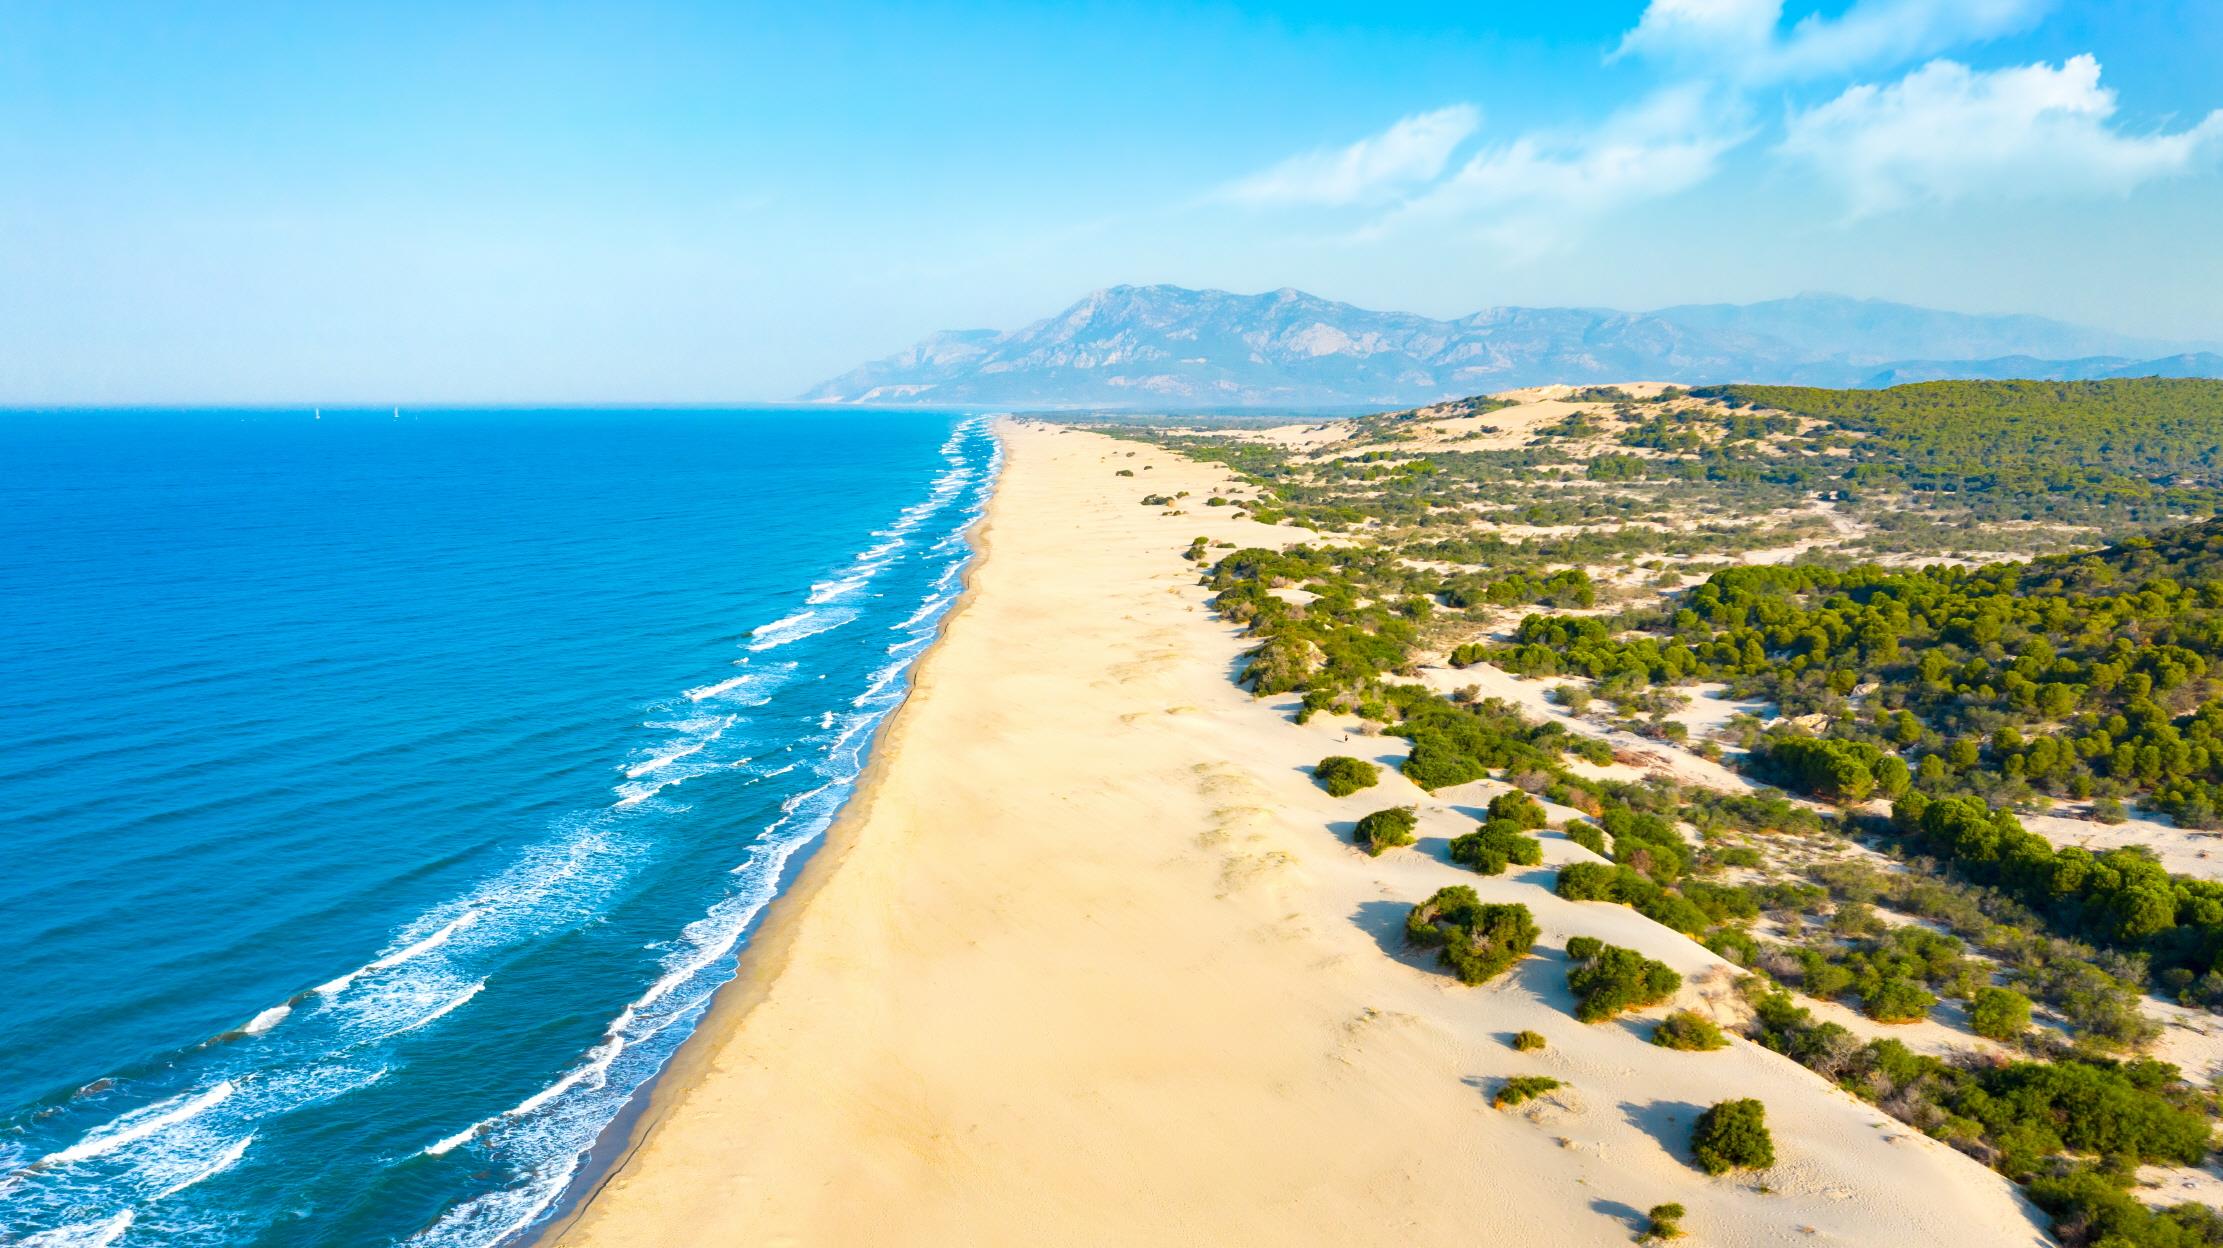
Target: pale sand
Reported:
[(2185, 851), (1089, 966)]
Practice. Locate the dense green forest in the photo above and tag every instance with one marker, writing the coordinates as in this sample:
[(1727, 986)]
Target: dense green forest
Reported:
[(2142, 447), (2080, 676)]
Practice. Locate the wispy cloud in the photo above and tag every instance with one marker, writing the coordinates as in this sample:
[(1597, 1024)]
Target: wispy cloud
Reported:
[(1531, 193), (1941, 132), (1410, 153), (1744, 40), (1946, 132)]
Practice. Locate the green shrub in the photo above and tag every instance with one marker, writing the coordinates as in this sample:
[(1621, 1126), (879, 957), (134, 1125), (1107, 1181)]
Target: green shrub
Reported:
[(1597, 881), (1688, 1031), (1897, 1001), (1342, 775), (2090, 1207), (1998, 1013), (1588, 836), (1528, 1041), (1662, 1223), (1157, 500), (1733, 1135), (1517, 808), (2025, 1114), (1386, 829), (1478, 941), (1839, 771), (1522, 1088), (1586, 881), (1608, 979), (1497, 843)]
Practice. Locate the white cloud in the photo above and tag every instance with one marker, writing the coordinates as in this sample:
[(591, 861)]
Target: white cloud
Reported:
[(1412, 152), (1530, 193), (1946, 132), (1741, 39)]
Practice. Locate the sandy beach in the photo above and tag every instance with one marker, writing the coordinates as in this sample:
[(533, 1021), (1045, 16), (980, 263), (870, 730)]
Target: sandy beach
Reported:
[(1090, 960)]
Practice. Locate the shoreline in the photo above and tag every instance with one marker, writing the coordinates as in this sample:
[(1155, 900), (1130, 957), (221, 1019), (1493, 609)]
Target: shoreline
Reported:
[(764, 947)]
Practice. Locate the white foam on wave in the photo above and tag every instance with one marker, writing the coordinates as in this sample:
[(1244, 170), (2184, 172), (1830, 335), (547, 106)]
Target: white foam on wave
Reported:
[(634, 792), (140, 1124), (704, 732), (89, 1235), (881, 679), (450, 1006), (225, 1159), (666, 759), (721, 688), (927, 608), (908, 644), (794, 628), (416, 949), (266, 1020)]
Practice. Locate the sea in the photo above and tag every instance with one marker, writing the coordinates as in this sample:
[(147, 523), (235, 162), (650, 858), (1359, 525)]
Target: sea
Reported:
[(384, 794)]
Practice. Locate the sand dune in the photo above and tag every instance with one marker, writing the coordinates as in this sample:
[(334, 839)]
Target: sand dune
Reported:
[(1091, 963)]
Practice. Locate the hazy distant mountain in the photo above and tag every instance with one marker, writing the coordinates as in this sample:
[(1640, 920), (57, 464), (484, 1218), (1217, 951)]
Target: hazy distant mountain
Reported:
[(1170, 347), (2090, 368)]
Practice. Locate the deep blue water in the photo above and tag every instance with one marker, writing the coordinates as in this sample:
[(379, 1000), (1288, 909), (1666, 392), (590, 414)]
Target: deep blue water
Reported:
[(382, 798)]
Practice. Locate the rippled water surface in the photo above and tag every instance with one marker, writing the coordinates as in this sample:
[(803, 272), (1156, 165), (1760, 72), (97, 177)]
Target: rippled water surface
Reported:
[(384, 796)]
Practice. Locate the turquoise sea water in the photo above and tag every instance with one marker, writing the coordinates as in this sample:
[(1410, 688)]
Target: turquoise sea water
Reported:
[(384, 797)]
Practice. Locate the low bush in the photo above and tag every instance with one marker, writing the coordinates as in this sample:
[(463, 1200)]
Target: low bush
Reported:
[(1478, 941), (1608, 979), (1662, 1223), (1897, 1001), (1688, 1031), (1521, 1088), (1998, 1013), (1733, 1135), (1497, 843), (1386, 829), (1517, 808), (1528, 1041), (1341, 775), (2089, 1207), (1597, 881)]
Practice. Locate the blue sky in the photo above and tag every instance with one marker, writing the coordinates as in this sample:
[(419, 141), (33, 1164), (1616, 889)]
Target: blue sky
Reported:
[(674, 202)]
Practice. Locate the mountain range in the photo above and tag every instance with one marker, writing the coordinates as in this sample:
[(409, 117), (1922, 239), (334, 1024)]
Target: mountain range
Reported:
[(1169, 347)]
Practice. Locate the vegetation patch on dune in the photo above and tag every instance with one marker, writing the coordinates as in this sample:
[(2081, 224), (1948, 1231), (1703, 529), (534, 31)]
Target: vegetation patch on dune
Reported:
[(1609, 980), (1478, 941)]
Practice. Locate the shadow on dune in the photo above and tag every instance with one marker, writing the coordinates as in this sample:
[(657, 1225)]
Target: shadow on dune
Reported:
[(1384, 921), (1634, 1218), (1668, 1122)]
